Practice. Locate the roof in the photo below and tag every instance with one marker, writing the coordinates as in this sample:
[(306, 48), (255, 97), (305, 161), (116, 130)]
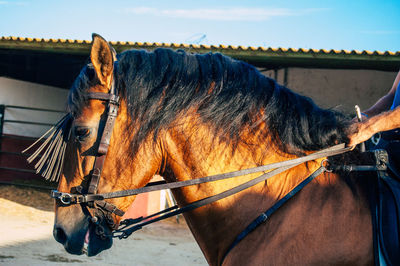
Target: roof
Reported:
[(57, 61)]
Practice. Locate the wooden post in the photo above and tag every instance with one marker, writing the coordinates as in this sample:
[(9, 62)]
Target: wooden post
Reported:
[(2, 108)]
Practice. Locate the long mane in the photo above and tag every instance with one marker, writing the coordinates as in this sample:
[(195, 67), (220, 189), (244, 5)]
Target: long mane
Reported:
[(229, 95)]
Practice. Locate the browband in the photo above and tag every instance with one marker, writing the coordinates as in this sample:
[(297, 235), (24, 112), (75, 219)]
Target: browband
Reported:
[(103, 97)]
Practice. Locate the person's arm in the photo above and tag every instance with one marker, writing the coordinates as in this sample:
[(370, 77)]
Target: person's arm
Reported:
[(380, 119), (384, 103), (360, 132)]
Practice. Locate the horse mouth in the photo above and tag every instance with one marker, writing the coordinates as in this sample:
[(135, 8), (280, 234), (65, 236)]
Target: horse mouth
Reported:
[(93, 244), (84, 241)]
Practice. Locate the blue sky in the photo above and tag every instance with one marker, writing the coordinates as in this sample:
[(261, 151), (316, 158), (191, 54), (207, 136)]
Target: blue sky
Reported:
[(340, 24)]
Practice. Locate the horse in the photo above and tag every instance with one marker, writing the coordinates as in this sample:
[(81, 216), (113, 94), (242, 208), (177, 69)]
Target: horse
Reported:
[(185, 116)]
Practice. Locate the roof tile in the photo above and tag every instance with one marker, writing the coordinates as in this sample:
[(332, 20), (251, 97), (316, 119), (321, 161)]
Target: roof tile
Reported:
[(196, 46)]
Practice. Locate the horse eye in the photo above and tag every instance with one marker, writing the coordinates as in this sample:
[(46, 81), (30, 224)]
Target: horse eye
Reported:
[(81, 133)]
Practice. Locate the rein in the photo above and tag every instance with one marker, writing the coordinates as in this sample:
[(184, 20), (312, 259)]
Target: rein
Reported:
[(68, 198), (132, 225), (128, 226)]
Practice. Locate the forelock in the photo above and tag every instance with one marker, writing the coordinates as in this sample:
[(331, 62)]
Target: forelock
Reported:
[(82, 83)]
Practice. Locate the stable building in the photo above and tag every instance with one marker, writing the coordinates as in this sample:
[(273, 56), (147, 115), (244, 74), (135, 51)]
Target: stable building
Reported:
[(35, 75)]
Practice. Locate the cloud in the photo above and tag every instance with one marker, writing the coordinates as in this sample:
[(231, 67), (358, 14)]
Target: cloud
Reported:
[(226, 14)]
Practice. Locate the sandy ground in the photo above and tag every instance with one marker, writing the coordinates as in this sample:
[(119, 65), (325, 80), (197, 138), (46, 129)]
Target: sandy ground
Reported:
[(26, 237)]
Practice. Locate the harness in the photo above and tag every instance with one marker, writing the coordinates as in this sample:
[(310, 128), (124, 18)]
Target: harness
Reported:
[(96, 201)]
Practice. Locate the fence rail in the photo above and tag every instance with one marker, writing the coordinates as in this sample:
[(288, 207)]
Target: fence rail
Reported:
[(33, 108), (27, 122)]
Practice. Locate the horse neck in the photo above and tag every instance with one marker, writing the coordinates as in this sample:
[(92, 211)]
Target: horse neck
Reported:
[(192, 154)]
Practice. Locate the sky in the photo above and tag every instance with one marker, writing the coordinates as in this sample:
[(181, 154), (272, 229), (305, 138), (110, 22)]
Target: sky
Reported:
[(318, 24)]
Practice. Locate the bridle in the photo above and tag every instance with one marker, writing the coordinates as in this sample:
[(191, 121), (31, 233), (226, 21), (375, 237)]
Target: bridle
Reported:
[(90, 198), (103, 209)]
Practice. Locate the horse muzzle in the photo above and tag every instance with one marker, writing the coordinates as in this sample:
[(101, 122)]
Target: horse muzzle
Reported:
[(82, 236)]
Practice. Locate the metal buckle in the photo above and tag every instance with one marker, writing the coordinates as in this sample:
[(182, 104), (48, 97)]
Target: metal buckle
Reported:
[(376, 138), (325, 164), (114, 99), (65, 198)]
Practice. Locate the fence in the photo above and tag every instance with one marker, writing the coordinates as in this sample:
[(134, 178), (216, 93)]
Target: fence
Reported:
[(13, 166)]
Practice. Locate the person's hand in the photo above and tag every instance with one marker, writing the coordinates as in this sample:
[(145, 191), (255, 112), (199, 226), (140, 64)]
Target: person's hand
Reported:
[(358, 132)]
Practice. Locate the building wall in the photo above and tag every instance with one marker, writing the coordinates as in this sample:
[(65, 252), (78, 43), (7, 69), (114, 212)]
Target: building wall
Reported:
[(336, 88), (21, 93)]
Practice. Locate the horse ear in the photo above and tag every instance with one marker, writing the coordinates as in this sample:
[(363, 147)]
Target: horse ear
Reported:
[(102, 56)]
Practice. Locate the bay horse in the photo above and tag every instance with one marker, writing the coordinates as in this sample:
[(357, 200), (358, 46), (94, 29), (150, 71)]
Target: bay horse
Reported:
[(186, 116)]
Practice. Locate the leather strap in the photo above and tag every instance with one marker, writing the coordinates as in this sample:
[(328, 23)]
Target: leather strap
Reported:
[(108, 127), (109, 207), (338, 149), (335, 150), (102, 96), (96, 173), (264, 216), (112, 112), (129, 228), (113, 104)]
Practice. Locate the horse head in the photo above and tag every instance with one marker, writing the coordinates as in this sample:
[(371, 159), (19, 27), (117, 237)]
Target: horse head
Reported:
[(95, 148)]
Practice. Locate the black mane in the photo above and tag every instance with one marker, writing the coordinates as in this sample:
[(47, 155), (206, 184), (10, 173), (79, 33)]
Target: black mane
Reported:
[(229, 95)]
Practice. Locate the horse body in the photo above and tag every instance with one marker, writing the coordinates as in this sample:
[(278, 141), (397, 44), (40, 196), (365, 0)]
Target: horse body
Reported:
[(327, 223), (340, 214), (327, 239)]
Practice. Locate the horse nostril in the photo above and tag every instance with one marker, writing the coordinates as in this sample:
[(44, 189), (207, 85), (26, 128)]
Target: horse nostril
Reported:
[(59, 235)]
